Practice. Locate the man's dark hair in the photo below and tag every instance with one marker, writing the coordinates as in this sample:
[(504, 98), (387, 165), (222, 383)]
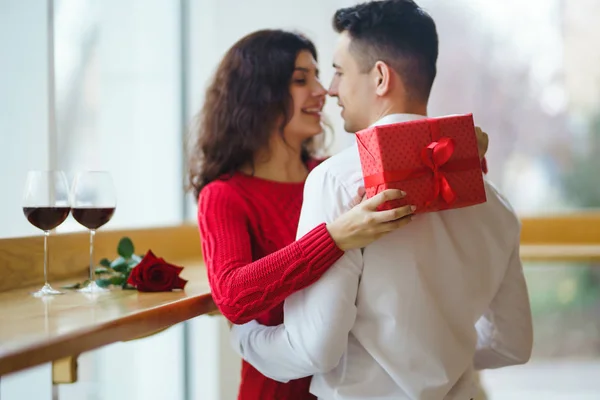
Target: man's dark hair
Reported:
[(397, 32)]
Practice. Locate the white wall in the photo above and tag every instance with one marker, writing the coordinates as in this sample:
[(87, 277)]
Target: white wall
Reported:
[(23, 142), (119, 108), (23, 106), (118, 99)]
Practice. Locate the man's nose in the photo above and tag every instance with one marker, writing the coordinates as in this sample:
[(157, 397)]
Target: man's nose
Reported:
[(332, 91)]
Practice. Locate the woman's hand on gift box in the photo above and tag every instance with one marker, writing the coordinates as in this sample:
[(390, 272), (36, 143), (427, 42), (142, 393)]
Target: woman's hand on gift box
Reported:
[(482, 142), (363, 224)]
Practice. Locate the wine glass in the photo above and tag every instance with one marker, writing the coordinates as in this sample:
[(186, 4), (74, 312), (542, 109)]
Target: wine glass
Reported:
[(93, 204), (46, 206)]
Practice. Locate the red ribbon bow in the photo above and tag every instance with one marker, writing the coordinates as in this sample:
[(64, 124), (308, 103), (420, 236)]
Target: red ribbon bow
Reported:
[(434, 156)]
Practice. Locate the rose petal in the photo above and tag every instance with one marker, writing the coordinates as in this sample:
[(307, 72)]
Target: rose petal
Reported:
[(173, 268), (142, 287), (157, 278), (146, 272), (134, 276), (180, 283), (165, 279), (148, 259), (150, 256), (157, 275)]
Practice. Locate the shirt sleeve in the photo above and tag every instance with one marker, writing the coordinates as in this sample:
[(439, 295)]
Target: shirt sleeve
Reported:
[(505, 331), (243, 288), (317, 319)]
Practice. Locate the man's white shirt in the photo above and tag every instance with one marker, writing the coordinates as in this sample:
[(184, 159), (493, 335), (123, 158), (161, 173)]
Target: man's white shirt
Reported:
[(412, 315)]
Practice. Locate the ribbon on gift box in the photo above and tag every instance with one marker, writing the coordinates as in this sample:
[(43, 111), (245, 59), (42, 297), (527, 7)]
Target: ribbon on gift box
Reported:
[(436, 158)]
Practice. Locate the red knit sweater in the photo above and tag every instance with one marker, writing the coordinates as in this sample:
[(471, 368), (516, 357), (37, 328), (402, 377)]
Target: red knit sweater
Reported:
[(248, 226)]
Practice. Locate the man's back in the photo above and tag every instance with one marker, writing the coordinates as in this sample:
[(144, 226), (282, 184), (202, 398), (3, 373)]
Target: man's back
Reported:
[(422, 291)]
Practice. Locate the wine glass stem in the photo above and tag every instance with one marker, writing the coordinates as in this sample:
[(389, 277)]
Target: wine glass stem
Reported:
[(46, 234), (92, 234)]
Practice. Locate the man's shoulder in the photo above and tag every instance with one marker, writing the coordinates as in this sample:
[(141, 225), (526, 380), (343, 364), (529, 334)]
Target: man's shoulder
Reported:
[(330, 189), (497, 211), (313, 163), (497, 200), (343, 168)]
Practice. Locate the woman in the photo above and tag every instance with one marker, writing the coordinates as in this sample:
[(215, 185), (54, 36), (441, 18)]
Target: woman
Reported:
[(254, 150)]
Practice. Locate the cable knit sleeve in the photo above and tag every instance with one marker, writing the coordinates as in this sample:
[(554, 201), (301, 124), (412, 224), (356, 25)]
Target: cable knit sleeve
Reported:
[(244, 288)]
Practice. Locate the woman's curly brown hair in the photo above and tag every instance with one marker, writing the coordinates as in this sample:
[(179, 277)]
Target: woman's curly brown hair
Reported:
[(247, 97)]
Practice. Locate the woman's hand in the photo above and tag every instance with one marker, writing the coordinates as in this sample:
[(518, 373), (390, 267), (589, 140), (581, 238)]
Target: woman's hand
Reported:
[(363, 224)]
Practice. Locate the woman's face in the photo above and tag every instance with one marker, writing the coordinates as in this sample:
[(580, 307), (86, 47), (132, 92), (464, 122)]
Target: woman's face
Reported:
[(308, 96)]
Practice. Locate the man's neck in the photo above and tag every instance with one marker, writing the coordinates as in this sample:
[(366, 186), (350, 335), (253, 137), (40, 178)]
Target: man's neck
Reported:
[(415, 109)]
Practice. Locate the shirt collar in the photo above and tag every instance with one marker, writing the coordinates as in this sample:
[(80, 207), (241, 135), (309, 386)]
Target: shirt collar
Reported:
[(395, 118)]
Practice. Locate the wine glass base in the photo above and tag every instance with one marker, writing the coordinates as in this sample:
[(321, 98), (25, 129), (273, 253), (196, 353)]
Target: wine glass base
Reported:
[(47, 290), (93, 288)]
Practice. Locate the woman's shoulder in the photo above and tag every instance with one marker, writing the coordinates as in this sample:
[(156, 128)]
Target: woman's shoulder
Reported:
[(223, 189)]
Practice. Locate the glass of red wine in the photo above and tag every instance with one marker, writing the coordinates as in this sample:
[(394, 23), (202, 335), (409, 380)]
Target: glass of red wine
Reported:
[(46, 206), (93, 204)]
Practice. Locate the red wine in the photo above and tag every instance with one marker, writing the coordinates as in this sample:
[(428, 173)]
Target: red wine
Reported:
[(92, 218), (46, 218)]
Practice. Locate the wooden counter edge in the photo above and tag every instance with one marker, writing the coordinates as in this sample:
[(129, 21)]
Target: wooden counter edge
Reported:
[(126, 328), (552, 253)]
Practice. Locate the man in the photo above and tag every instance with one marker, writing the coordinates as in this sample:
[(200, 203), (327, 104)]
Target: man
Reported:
[(413, 315)]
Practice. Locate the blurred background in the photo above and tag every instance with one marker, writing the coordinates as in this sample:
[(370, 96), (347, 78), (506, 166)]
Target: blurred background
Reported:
[(131, 74)]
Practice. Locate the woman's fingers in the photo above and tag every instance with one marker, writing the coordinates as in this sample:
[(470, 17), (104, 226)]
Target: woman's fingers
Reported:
[(394, 214), (363, 224), (382, 197), (393, 225)]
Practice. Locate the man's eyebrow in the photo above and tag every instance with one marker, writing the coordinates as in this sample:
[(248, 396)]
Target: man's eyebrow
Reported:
[(336, 66)]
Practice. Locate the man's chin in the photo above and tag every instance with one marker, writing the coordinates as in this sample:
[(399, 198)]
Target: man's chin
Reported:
[(351, 127)]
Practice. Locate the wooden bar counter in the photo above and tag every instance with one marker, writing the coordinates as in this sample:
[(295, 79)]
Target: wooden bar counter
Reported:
[(34, 331)]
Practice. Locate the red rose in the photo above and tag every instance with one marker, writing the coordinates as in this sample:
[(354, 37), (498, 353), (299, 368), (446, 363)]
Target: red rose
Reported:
[(154, 274)]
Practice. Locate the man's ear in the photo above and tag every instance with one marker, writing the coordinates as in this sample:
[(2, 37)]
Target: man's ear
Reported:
[(382, 73)]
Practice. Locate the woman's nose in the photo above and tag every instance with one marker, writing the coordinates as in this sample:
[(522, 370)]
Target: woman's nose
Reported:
[(319, 89)]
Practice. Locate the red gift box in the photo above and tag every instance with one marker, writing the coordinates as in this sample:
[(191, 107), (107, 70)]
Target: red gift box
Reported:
[(434, 160)]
